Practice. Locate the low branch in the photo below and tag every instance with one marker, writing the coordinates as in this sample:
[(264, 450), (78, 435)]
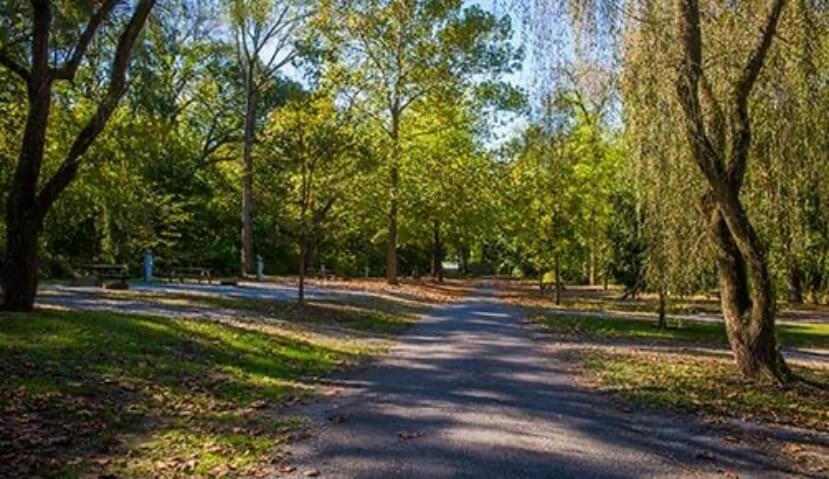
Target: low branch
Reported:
[(117, 85)]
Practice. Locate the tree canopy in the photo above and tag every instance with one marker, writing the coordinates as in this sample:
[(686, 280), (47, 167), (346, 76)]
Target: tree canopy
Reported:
[(672, 147)]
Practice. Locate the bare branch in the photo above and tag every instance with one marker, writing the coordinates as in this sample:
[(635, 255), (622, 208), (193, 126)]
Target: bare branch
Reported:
[(67, 72), (742, 90)]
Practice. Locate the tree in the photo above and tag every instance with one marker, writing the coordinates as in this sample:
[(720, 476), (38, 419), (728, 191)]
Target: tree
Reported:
[(317, 146), (266, 35), (449, 191), (714, 101), (398, 53), (26, 205), (719, 135)]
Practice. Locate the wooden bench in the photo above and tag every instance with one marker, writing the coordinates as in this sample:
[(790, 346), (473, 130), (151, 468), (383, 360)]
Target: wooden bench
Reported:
[(181, 273), (320, 273), (104, 272)]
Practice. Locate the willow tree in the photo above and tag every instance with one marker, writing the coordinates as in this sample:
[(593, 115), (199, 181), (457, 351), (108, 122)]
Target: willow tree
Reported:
[(718, 128), (786, 190), (711, 57), (46, 44), (663, 186)]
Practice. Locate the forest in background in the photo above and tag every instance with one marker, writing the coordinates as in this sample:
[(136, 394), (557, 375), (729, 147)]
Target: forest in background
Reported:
[(362, 136)]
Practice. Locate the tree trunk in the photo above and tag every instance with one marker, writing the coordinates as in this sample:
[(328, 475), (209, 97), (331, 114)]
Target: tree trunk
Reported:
[(394, 178), (558, 279), (592, 278), (246, 251), (746, 290), (747, 297), (437, 253), (794, 276), (794, 280), (463, 259), (303, 250), (22, 223), (663, 300), (20, 266), (311, 250)]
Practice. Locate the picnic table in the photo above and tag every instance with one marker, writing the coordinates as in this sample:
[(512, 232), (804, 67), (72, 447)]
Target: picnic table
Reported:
[(181, 273)]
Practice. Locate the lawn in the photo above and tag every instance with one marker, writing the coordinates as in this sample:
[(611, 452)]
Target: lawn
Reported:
[(137, 396), (709, 386), (815, 335), (675, 376)]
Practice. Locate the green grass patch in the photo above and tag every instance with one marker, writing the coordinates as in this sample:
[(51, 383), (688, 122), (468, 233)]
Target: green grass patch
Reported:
[(140, 396), (709, 386), (796, 335)]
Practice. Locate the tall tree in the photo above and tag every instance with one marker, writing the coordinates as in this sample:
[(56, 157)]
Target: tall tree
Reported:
[(399, 52), (266, 35), (46, 64), (719, 134)]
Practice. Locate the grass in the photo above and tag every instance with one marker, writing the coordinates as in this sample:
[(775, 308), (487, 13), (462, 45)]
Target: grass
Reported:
[(709, 386), (137, 396), (687, 380), (795, 335)]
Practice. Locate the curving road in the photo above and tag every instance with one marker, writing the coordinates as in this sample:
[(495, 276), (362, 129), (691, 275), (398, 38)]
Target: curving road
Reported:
[(468, 394)]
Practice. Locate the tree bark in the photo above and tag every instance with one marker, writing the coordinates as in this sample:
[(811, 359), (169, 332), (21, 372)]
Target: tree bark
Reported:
[(558, 279), (748, 303), (663, 303), (394, 179), (794, 280), (22, 223), (303, 250), (246, 252), (463, 259), (437, 253)]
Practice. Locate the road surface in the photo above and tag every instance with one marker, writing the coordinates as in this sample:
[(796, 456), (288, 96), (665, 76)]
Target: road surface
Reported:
[(468, 393)]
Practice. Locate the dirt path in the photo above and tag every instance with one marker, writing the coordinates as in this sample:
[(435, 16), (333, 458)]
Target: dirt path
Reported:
[(468, 394)]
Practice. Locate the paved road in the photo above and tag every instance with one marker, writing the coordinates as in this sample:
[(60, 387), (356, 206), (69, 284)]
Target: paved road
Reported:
[(468, 394)]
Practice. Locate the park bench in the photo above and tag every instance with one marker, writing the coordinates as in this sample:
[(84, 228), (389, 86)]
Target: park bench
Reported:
[(104, 272), (320, 273), (181, 273)]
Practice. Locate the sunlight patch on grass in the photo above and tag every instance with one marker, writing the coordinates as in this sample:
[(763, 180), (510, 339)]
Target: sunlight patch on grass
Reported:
[(799, 335), (708, 386)]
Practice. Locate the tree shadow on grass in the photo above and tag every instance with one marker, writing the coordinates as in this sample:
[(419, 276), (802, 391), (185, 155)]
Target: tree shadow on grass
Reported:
[(75, 382)]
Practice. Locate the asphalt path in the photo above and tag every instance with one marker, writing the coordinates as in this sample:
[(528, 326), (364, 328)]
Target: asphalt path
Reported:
[(468, 393)]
